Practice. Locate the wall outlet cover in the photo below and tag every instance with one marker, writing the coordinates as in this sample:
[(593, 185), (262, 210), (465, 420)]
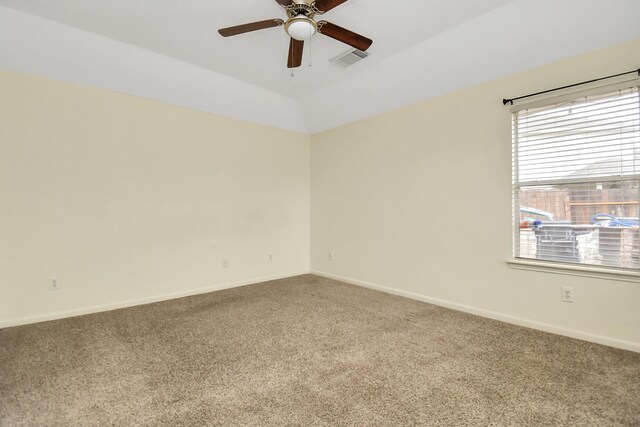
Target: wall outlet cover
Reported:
[(567, 294)]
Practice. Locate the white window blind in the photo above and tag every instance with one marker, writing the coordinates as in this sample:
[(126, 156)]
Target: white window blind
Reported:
[(576, 179)]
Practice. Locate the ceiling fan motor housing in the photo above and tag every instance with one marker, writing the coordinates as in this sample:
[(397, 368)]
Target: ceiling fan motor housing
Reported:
[(302, 7), (303, 2)]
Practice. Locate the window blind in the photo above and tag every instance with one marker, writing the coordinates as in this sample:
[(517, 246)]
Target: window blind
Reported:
[(576, 176)]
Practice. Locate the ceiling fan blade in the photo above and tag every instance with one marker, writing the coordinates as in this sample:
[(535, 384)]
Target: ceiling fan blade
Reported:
[(295, 53), (253, 26), (285, 2), (344, 35), (327, 5)]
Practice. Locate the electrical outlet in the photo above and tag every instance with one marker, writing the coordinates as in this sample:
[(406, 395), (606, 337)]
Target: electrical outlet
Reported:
[(330, 256), (270, 257), (225, 263), (54, 284), (567, 294)]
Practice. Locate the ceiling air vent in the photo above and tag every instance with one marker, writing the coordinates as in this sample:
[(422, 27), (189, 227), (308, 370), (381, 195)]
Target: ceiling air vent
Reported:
[(349, 58)]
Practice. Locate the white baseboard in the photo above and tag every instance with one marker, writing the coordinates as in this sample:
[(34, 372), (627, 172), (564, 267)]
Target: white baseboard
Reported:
[(520, 321), (139, 301)]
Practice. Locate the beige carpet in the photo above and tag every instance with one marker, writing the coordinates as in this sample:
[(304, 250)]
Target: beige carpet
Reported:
[(307, 351)]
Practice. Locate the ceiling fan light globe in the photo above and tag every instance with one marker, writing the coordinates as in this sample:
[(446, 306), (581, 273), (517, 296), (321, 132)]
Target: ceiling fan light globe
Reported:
[(301, 28)]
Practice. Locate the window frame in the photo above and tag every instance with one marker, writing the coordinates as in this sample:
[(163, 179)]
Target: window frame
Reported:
[(564, 267)]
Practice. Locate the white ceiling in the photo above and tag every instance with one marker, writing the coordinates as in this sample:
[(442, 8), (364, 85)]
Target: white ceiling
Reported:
[(169, 50)]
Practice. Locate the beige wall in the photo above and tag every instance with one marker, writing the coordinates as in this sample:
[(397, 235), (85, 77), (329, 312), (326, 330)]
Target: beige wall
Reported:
[(125, 200), (419, 200)]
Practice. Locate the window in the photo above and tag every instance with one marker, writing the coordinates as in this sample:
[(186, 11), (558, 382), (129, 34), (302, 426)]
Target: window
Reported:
[(576, 178)]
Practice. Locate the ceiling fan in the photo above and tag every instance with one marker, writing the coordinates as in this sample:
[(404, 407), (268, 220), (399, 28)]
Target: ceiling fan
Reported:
[(301, 26)]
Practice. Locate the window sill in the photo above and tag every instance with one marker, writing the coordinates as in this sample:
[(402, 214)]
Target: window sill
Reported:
[(577, 270)]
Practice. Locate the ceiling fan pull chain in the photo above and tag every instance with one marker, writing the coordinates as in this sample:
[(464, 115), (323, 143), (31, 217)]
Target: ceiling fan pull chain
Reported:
[(310, 43)]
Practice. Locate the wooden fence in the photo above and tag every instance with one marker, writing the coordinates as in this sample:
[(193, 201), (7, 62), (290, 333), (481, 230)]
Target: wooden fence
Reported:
[(557, 202), (579, 206)]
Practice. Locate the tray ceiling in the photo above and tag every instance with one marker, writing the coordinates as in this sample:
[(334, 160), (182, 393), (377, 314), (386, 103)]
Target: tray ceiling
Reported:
[(169, 50)]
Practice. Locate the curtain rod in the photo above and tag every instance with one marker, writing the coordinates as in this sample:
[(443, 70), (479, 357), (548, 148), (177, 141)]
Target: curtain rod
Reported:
[(507, 101)]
